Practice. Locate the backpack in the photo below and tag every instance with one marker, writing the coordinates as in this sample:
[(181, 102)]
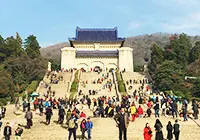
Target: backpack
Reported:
[(71, 123), (20, 131)]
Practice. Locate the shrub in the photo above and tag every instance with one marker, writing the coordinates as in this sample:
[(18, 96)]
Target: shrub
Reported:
[(139, 68), (74, 86), (3, 101), (32, 87), (121, 84)]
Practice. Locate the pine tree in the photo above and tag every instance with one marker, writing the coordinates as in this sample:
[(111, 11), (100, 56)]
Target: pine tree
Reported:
[(32, 47)]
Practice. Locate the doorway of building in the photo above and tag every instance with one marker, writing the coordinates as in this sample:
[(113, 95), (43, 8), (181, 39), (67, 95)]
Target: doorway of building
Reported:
[(97, 69)]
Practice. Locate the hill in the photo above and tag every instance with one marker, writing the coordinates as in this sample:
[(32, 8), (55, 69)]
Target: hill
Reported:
[(141, 46), (54, 51)]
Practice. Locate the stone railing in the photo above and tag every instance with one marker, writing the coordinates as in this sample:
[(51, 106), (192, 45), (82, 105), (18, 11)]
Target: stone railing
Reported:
[(116, 86)]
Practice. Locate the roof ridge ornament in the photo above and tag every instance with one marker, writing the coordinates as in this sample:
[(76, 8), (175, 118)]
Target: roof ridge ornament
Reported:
[(96, 46)]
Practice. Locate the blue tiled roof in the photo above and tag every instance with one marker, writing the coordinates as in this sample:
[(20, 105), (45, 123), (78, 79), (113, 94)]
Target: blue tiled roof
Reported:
[(96, 53), (96, 35)]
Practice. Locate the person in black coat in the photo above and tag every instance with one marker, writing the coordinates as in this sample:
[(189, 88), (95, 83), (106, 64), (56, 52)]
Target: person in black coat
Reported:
[(61, 114), (3, 111), (48, 114), (7, 131), (41, 108), (169, 131), (122, 121), (176, 130), (158, 128), (195, 109)]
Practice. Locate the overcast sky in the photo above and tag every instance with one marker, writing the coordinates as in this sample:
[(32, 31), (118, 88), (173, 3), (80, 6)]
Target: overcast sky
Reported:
[(54, 21)]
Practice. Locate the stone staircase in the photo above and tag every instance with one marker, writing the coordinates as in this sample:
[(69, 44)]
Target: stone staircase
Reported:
[(90, 77), (61, 88), (133, 76)]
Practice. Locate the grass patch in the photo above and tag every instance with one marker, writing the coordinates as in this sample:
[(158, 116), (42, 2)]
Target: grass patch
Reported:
[(121, 85), (74, 86)]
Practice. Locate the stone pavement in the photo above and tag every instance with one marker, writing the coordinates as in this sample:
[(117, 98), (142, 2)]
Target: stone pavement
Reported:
[(104, 128), (90, 77), (60, 88), (133, 76)]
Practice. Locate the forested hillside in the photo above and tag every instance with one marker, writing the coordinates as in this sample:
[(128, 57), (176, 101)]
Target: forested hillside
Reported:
[(170, 65), (21, 66)]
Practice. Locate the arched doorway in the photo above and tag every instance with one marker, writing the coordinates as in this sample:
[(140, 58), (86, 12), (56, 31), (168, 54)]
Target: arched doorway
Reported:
[(97, 69), (111, 66), (82, 66), (96, 65)]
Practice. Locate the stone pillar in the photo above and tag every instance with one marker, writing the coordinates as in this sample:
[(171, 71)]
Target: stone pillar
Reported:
[(125, 59), (68, 58), (145, 66), (49, 66)]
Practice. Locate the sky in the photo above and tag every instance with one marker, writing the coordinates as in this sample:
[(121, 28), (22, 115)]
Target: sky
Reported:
[(54, 21)]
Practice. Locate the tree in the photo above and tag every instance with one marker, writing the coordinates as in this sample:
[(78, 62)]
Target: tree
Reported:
[(195, 52), (32, 47), (24, 70), (54, 65), (194, 68), (196, 89), (157, 57), (6, 85), (2, 54), (10, 48), (178, 50), (168, 76)]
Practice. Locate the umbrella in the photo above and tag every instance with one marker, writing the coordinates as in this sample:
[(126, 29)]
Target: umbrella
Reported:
[(35, 94)]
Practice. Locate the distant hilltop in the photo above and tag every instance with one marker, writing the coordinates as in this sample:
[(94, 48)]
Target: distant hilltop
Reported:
[(141, 46)]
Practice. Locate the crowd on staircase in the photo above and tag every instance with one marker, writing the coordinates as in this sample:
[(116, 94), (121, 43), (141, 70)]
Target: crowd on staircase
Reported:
[(129, 108)]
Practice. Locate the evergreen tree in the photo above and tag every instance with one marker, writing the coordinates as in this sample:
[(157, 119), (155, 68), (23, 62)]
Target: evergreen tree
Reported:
[(194, 69), (195, 52), (6, 85), (169, 76), (32, 47), (196, 88), (2, 54), (178, 50), (157, 57)]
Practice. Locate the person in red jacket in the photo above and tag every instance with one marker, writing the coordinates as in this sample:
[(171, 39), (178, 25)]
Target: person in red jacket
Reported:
[(147, 132), (83, 115), (140, 111)]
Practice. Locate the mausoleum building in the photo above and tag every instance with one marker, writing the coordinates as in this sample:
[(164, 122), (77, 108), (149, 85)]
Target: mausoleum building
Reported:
[(97, 48)]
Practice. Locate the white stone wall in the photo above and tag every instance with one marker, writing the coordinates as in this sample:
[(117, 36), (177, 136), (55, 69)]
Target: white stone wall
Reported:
[(126, 59), (88, 63), (68, 59)]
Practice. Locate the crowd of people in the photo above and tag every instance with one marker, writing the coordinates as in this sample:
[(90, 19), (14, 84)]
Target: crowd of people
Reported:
[(131, 107)]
